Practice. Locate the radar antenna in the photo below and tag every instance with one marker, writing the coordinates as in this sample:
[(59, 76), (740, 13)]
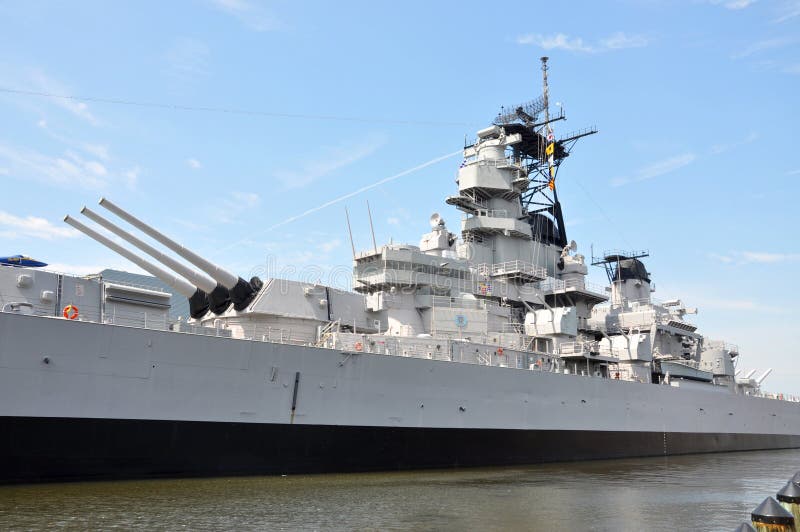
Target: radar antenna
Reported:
[(541, 154), (612, 260)]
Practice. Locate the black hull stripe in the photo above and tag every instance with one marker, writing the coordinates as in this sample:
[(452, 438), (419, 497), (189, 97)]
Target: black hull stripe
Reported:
[(50, 449)]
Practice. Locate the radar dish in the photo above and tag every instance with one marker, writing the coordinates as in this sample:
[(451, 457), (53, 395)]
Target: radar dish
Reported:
[(525, 112), (436, 220)]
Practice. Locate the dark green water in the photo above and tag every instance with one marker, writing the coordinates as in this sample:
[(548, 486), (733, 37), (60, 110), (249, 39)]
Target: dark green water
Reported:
[(702, 492)]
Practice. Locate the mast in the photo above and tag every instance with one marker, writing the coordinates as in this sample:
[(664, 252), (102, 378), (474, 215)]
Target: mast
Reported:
[(541, 155), (546, 94)]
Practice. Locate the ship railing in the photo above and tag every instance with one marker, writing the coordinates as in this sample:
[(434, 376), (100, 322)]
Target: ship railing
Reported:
[(625, 253), (681, 361), (512, 268), (488, 213), (498, 163), (136, 285), (513, 327), (144, 320), (480, 203), (158, 320), (710, 343), (556, 285), (496, 213), (633, 303), (777, 396), (277, 335), (578, 348), (471, 238), (644, 302), (460, 303), (444, 349)]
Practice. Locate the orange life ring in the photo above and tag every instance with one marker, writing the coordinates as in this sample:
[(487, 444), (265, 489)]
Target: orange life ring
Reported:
[(70, 312), (359, 346), (500, 351)]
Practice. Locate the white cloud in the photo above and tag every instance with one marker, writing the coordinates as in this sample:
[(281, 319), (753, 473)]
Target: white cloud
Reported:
[(558, 41), (100, 151), (253, 16), (762, 46), (96, 168), (793, 172), (232, 205), (789, 10), (656, 169), (768, 258), (12, 226), (754, 257), (333, 158), (734, 5), (246, 199), (58, 91), (735, 304), (131, 177), (725, 259), (93, 167), (188, 59), (620, 41), (70, 171), (194, 164), (722, 148), (561, 41), (330, 245), (392, 220)]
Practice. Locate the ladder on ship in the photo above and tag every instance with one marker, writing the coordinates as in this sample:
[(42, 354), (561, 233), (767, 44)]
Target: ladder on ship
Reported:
[(327, 331)]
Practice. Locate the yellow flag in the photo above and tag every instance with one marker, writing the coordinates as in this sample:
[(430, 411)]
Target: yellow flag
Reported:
[(551, 185), (550, 149)]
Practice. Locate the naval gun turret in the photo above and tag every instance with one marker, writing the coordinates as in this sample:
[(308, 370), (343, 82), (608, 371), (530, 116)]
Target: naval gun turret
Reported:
[(198, 300), (217, 291), (230, 288)]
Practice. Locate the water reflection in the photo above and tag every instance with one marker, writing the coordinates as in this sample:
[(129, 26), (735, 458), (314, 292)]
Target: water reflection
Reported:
[(701, 492)]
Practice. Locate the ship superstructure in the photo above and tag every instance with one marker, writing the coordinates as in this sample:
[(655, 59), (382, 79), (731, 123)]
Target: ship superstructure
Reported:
[(443, 350)]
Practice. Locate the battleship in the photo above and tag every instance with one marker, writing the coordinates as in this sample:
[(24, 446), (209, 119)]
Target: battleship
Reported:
[(484, 347)]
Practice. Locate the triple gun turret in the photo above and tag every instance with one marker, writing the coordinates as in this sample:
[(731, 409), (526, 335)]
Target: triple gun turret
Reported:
[(216, 291)]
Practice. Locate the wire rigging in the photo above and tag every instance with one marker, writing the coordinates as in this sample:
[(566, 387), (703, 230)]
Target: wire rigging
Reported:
[(229, 110), (346, 196)]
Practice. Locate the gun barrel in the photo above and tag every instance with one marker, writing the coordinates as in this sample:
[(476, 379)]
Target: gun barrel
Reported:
[(764, 376), (179, 284), (222, 276), (203, 282)]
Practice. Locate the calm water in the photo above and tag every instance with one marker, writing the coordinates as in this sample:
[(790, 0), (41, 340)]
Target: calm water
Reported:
[(706, 492)]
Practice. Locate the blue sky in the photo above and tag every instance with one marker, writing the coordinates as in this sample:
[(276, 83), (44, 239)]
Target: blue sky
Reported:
[(696, 103)]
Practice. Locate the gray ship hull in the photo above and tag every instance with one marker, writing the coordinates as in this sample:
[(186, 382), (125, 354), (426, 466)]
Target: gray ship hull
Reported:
[(51, 449), (87, 400)]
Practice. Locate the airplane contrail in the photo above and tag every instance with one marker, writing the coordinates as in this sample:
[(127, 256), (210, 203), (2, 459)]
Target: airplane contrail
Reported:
[(363, 189), (351, 194)]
